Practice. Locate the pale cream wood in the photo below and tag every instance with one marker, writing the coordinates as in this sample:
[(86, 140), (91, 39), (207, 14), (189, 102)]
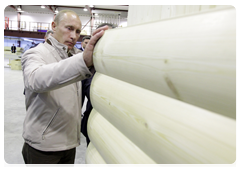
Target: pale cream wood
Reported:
[(192, 9), (139, 14), (114, 147), (165, 11), (191, 58), (92, 155), (166, 129)]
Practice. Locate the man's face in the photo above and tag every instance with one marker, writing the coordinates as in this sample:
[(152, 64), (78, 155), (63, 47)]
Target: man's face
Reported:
[(68, 30), (84, 43)]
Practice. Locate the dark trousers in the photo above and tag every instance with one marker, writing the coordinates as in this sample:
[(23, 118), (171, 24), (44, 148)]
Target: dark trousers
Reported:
[(34, 156)]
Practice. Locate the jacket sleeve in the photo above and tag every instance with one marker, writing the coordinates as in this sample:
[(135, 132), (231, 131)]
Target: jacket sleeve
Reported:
[(41, 77)]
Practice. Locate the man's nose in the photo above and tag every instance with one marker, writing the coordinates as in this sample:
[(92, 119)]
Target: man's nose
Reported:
[(73, 35)]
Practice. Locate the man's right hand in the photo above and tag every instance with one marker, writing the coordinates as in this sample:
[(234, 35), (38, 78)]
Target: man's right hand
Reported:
[(88, 51)]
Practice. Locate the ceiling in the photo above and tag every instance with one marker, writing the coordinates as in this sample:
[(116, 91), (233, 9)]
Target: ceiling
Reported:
[(50, 9)]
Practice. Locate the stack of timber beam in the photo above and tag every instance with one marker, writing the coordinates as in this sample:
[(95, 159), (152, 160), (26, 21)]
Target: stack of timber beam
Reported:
[(168, 97)]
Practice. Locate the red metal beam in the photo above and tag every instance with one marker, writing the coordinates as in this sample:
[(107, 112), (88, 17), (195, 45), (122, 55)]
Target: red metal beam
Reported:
[(87, 23), (50, 8), (11, 6), (89, 9), (29, 34), (110, 9)]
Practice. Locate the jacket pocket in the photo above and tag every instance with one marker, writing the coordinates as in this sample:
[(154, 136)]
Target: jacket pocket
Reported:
[(48, 125)]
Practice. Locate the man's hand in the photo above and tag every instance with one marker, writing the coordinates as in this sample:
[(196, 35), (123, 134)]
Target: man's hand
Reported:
[(88, 51)]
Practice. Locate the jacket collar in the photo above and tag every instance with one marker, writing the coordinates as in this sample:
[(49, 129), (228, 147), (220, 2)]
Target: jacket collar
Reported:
[(62, 48)]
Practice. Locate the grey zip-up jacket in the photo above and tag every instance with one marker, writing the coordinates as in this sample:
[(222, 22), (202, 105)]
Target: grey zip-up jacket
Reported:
[(53, 96)]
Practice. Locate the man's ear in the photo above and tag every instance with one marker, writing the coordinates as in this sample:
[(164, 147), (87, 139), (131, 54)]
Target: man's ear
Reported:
[(54, 25)]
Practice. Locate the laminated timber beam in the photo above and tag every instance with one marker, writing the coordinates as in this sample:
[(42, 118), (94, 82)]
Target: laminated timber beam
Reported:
[(171, 94), (190, 58), (166, 130)]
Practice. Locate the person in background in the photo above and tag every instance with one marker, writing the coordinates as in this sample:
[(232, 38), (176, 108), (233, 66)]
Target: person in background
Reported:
[(49, 32), (85, 41), (13, 49), (86, 93), (33, 45), (52, 72)]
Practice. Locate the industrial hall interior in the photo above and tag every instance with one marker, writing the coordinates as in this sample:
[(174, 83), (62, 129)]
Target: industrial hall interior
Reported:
[(157, 85)]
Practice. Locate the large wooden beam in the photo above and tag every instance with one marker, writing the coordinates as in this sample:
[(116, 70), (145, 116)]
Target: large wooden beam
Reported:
[(167, 130), (114, 146), (92, 155), (190, 58)]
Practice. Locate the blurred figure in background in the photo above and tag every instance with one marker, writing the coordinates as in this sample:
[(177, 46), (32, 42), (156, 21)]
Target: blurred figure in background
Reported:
[(49, 32), (86, 93), (13, 49), (85, 41)]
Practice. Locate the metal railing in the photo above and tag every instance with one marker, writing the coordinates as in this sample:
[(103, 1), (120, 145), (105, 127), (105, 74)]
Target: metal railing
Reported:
[(43, 27), (26, 26)]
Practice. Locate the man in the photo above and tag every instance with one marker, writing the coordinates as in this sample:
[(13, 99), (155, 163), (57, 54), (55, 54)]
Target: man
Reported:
[(13, 49), (49, 32), (51, 73), (86, 93), (85, 41)]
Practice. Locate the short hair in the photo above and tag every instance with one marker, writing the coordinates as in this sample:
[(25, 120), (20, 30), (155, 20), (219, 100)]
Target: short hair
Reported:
[(48, 32), (103, 24), (86, 37), (60, 14)]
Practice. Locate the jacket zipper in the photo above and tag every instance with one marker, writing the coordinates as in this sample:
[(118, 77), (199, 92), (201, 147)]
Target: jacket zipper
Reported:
[(49, 124)]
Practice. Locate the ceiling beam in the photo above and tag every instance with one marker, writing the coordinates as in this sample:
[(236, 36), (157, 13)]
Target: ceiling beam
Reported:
[(29, 34), (120, 10), (50, 8), (61, 6), (89, 9), (68, 6), (11, 6)]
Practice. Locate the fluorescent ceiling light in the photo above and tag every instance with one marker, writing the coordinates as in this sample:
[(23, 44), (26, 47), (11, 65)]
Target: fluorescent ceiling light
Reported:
[(56, 11), (42, 6), (85, 9)]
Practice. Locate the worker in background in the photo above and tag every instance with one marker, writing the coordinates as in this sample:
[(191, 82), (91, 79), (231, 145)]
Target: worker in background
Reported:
[(86, 93), (52, 72), (85, 41), (13, 49), (49, 32)]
